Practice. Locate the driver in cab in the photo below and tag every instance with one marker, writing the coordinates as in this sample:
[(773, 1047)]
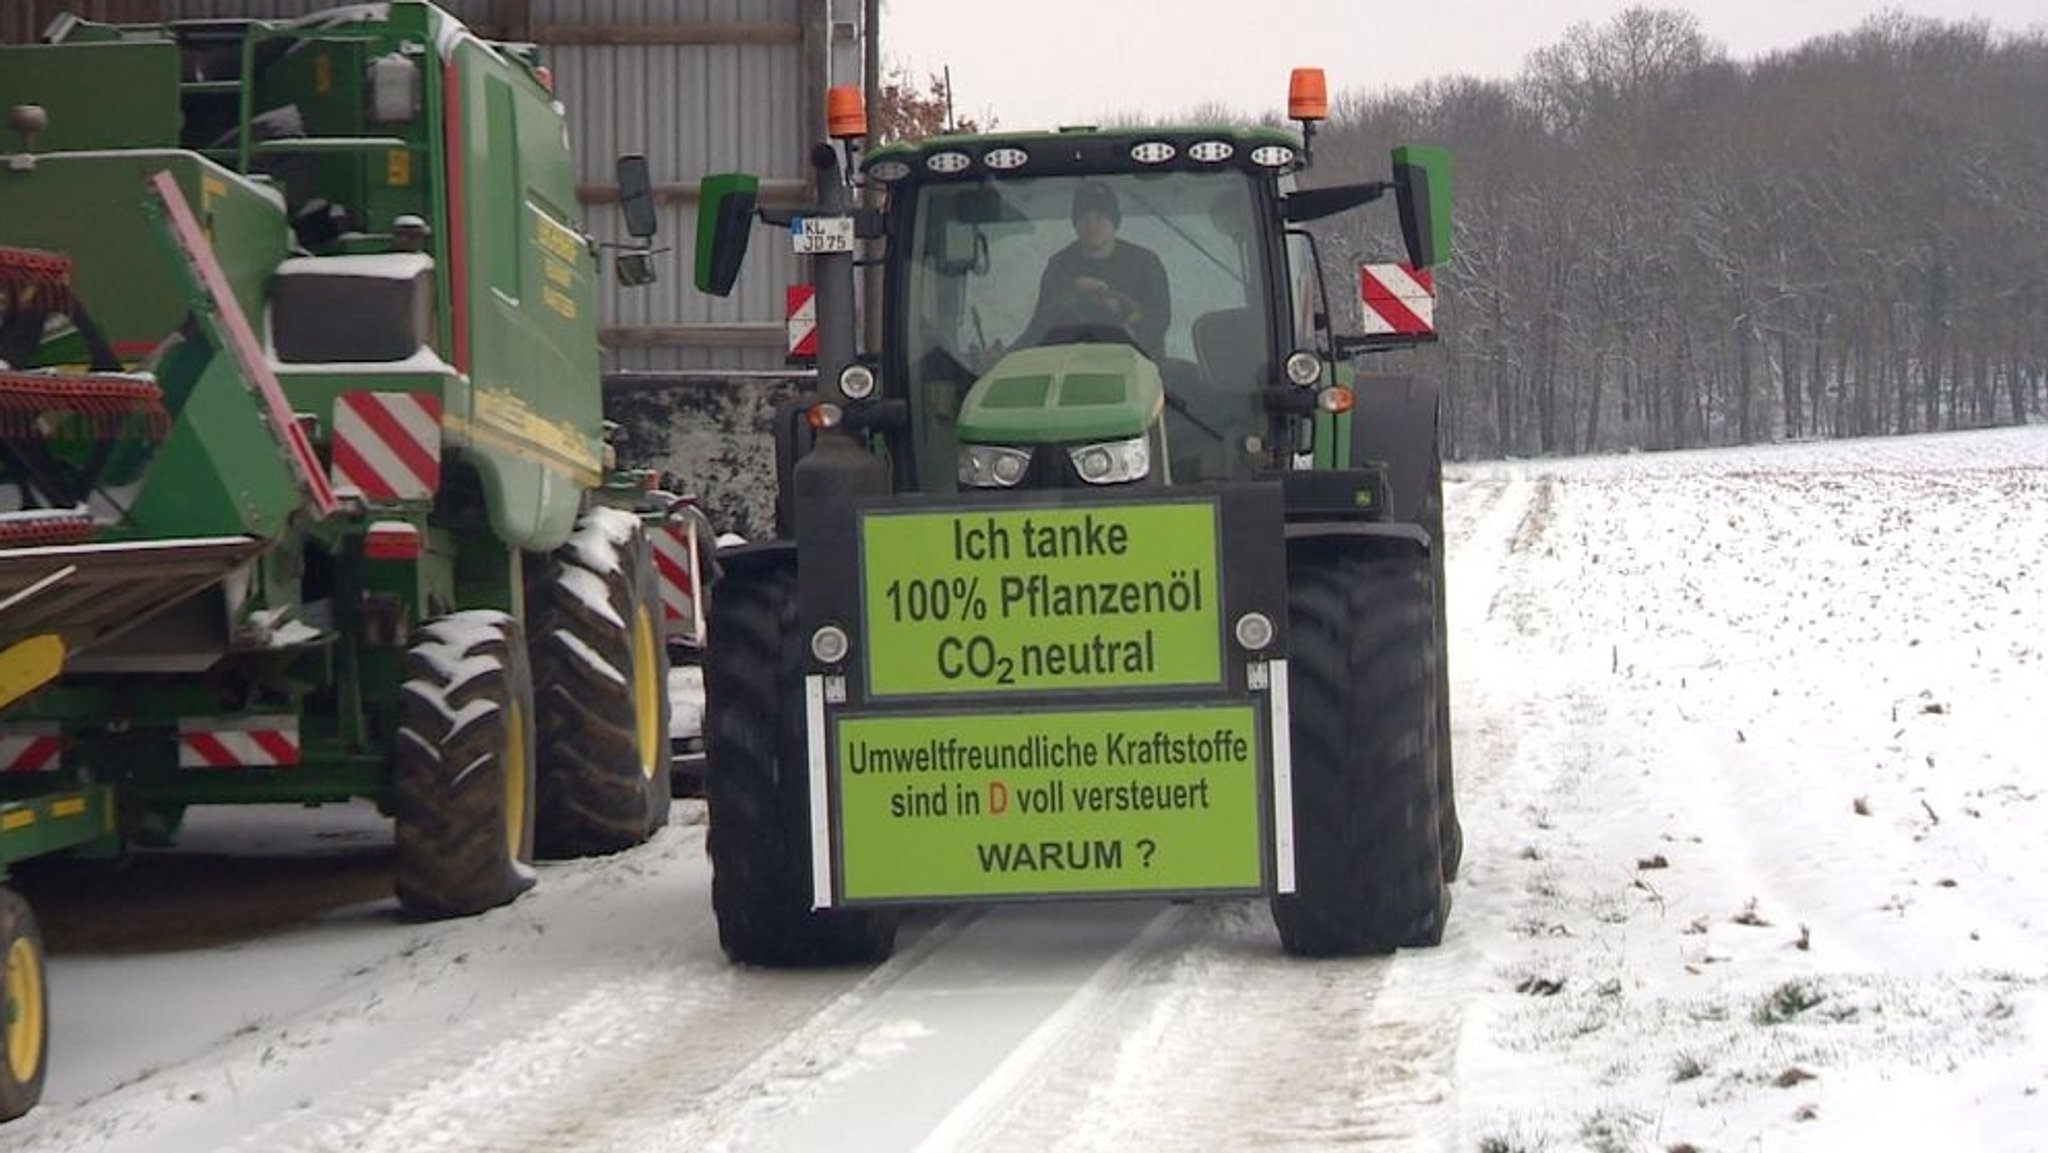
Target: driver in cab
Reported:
[(1100, 281)]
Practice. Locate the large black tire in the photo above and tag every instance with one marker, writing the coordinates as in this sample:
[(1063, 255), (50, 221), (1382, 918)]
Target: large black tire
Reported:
[(757, 792), (24, 1009), (463, 768), (1450, 830), (1361, 683), (594, 630)]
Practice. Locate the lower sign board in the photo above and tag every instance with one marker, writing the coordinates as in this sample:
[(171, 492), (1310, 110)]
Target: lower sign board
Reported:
[(1025, 803)]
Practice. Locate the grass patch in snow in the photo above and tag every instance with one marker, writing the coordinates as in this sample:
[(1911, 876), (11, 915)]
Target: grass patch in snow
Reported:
[(1787, 1002), (1613, 1129), (1513, 1141), (1687, 1066)]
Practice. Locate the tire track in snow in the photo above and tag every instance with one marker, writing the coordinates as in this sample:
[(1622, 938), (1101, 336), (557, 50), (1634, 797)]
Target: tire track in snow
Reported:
[(546, 1051), (1524, 753), (464, 994), (579, 1064), (1492, 522), (627, 1064), (574, 1066), (937, 1040), (789, 1067), (1193, 1048)]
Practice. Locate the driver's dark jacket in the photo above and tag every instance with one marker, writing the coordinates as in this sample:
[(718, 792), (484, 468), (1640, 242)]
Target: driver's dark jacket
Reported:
[(1129, 268)]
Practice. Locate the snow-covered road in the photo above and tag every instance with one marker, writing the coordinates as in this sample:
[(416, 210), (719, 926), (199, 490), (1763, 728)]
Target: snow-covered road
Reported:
[(1751, 764)]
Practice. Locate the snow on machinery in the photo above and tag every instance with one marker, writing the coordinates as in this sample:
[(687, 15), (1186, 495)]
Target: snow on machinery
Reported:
[(1094, 606), (304, 494)]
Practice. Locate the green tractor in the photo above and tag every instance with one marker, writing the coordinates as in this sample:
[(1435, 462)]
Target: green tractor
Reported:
[(304, 493), (1102, 576)]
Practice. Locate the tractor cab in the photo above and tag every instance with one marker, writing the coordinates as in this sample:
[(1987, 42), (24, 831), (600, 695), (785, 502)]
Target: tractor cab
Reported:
[(1010, 336), (1096, 307), (1093, 307)]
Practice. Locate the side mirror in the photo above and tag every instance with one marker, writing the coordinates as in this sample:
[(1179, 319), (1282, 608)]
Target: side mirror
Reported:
[(634, 268), (636, 196), (725, 220), (1422, 186)]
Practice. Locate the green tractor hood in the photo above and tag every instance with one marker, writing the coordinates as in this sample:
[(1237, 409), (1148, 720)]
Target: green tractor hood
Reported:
[(1064, 394)]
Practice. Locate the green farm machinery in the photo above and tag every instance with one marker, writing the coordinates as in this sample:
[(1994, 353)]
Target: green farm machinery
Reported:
[(1104, 574), (304, 491)]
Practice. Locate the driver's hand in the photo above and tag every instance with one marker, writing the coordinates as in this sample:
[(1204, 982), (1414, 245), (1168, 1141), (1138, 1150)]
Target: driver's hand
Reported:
[(1100, 295)]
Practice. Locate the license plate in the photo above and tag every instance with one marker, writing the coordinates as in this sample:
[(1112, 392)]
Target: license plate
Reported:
[(814, 234)]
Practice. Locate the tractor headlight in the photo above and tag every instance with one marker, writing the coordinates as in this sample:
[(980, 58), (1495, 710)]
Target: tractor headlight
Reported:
[(992, 466), (1113, 461), (830, 644), (888, 171), (1304, 368), (857, 382), (1253, 630)]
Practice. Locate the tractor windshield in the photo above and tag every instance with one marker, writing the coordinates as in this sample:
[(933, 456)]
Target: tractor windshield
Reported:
[(1170, 263)]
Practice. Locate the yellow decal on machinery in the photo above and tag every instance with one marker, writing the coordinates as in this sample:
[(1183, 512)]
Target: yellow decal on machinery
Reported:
[(504, 421), (558, 302), (28, 665), (554, 239), (560, 248), (212, 190)]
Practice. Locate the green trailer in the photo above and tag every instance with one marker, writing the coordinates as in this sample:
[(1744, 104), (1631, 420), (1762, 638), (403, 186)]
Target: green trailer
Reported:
[(1104, 574), (304, 494)]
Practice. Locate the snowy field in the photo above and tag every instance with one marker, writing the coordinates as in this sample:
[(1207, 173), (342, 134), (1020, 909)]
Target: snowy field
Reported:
[(1754, 741), (1751, 749)]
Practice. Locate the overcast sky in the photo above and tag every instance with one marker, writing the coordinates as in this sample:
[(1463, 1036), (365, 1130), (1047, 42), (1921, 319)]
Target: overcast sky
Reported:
[(1039, 63)]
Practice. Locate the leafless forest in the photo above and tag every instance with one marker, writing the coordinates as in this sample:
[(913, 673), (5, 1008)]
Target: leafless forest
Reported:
[(1661, 247)]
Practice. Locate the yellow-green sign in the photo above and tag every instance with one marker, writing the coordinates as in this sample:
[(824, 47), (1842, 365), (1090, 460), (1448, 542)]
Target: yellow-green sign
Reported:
[(977, 601), (1025, 803)]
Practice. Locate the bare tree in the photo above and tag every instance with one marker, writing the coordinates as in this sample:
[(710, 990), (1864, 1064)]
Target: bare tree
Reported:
[(1658, 247)]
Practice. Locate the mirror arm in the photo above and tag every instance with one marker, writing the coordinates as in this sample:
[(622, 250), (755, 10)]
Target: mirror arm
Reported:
[(1317, 203), (1350, 346)]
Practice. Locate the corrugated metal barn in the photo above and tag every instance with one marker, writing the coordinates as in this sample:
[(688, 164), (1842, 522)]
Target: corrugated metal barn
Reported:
[(700, 86)]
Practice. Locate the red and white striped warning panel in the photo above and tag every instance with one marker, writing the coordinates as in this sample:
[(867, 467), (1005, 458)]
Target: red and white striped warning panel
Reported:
[(387, 445), (675, 559), (1397, 299), (802, 311), (237, 742), (36, 747)]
